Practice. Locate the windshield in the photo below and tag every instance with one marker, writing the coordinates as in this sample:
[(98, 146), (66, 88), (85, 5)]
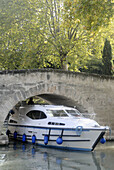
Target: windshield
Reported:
[(56, 113), (73, 112)]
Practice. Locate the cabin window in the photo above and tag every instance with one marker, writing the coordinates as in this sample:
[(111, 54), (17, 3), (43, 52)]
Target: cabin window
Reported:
[(36, 114), (56, 113), (13, 121), (74, 112)]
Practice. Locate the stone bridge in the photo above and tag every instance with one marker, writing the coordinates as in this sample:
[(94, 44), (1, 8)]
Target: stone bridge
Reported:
[(87, 92)]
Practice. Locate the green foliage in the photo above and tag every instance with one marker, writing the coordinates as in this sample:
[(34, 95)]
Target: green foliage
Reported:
[(107, 57), (51, 33), (93, 14), (93, 66)]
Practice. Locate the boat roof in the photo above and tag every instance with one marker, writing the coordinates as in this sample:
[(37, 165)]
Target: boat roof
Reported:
[(48, 106)]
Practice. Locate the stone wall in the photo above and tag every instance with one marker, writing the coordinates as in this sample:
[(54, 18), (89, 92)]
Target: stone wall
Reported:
[(95, 93)]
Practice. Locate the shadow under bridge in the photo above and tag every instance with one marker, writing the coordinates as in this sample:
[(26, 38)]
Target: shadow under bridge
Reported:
[(55, 99)]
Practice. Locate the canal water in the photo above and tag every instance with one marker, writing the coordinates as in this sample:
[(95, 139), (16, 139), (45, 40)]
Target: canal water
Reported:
[(18, 156)]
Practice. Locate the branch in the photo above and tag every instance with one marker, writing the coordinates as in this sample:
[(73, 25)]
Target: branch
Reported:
[(73, 32), (49, 40)]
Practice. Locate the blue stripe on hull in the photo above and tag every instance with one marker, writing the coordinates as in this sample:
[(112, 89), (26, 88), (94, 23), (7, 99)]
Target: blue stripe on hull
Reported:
[(64, 140), (53, 128)]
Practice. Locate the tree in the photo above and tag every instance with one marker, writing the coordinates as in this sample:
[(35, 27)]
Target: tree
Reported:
[(65, 30), (44, 33), (18, 35), (106, 58), (93, 14), (60, 37)]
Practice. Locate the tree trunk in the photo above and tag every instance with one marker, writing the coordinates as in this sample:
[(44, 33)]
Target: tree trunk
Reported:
[(64, 63)]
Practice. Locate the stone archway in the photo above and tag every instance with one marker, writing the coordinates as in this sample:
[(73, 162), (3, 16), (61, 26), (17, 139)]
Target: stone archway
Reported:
[(46, 93)]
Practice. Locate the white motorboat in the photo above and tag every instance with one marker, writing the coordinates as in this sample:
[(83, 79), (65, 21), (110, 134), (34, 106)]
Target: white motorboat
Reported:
[(55, 126)]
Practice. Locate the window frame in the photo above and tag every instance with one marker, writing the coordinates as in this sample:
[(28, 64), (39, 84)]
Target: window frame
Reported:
[(56, 113), (40, 115)]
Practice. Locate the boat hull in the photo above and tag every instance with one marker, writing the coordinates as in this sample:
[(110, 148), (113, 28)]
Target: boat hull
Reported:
[(85, 139)]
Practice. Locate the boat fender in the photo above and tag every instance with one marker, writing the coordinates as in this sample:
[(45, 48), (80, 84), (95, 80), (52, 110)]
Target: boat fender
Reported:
[(59, 140), (33, 139), (11, 112), (15, 135), (24, 137), (8, 132), (79, 130), (103, 140), (46, 139)]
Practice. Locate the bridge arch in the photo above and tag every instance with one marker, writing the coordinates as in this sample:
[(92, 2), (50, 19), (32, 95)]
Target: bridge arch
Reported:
[(50, 94), (90, 93)]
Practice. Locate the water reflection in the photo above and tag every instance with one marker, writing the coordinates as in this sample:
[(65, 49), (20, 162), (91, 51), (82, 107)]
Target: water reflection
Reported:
[(28, 157)]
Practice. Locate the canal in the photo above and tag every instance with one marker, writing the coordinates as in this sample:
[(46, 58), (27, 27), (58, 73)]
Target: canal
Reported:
[(18, 156)]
